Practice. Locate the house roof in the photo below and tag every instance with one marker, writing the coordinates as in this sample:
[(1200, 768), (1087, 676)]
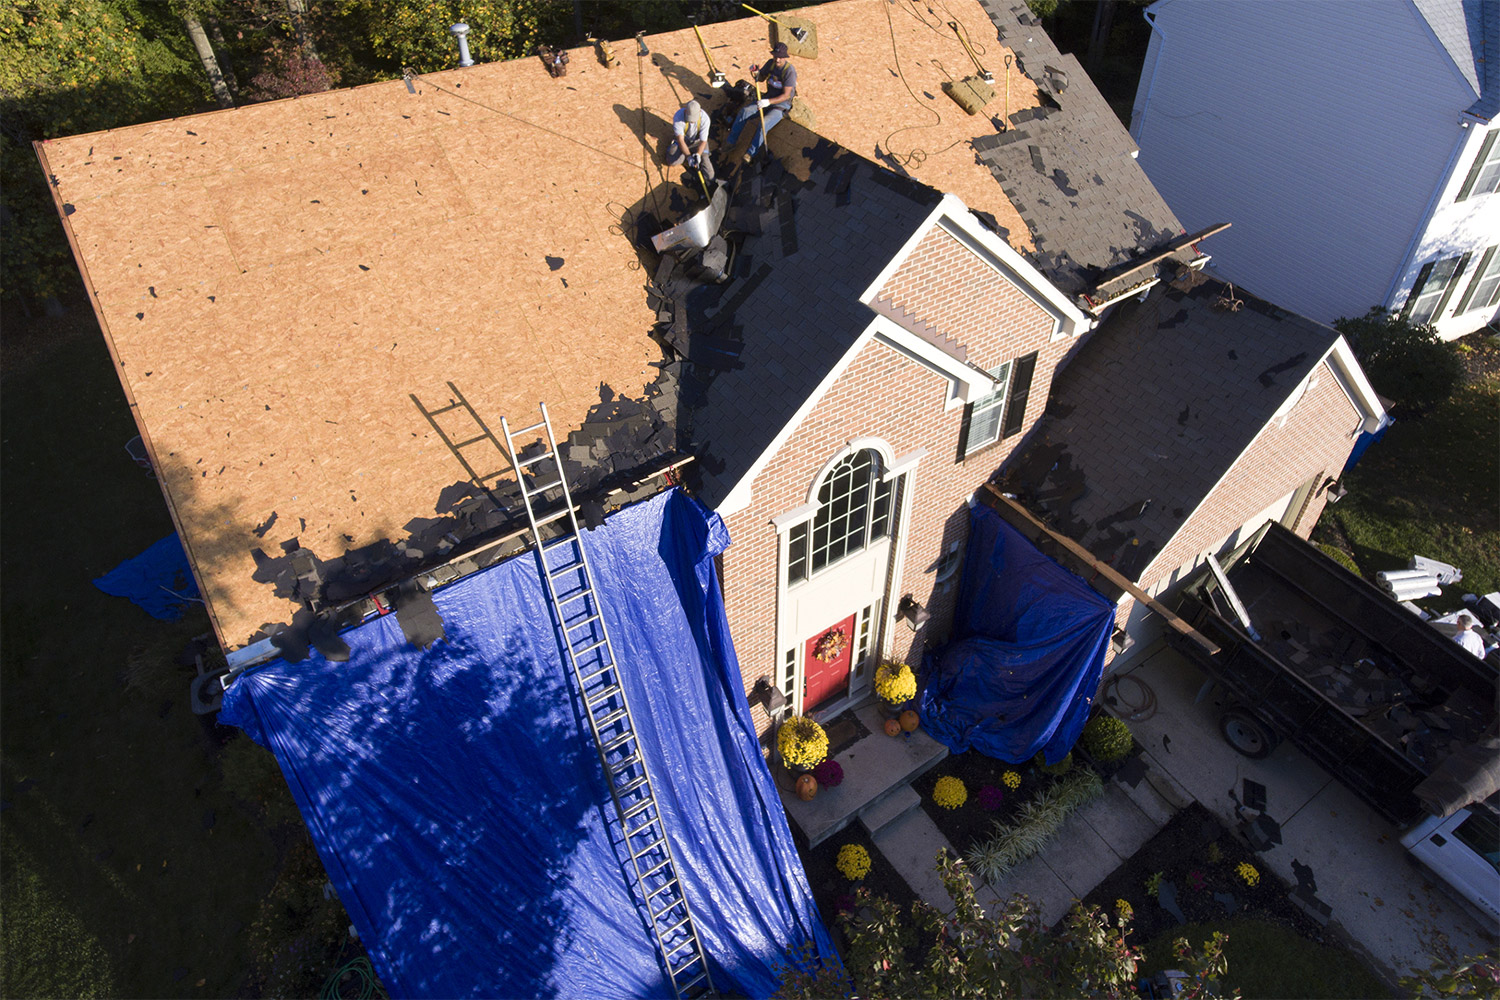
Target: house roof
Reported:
[(1069, 168), (280, 284), (1469, 31), (1153, 410)]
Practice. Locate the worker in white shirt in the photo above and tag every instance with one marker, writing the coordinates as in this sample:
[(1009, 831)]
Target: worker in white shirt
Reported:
[(689, 142), (1467, 636)]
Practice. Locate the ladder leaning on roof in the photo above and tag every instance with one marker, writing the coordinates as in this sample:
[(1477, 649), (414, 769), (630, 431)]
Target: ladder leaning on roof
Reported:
[(585, 640)]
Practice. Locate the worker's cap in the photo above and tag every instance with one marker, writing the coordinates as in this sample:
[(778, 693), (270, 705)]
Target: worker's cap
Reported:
[(692, 108), (778, 51)]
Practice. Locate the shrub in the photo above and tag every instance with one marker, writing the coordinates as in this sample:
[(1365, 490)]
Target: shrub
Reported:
[(853, 861), (1035, 822), (1406, 362), (950, 792), (990, 798), (802, 742), (1106, 738)]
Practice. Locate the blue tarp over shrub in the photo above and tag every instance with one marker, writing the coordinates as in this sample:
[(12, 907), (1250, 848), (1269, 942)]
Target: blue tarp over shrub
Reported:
[(458, 804), (158, 580), (1029, 647)]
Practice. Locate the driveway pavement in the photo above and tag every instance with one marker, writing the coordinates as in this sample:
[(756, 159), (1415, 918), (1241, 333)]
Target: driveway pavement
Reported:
[(1395, 910)]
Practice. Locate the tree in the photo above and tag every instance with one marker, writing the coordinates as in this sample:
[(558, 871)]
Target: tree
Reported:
[(1404, 361), (974, 954), (415, 34)]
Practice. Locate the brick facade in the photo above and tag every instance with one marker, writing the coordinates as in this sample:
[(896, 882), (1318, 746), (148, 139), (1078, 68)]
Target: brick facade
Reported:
[(884, 394)]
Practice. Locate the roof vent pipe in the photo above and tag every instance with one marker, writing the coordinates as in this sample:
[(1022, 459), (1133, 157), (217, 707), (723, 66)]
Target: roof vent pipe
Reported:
[(460, 31)]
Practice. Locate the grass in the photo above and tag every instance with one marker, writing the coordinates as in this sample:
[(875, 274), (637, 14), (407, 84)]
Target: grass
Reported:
[(1430, 487), (133, 865), (1268, 961)]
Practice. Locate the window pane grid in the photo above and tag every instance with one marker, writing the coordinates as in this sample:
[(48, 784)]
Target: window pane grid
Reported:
[(985, 413), (1426, 303), (856, 506), (1486, 285)]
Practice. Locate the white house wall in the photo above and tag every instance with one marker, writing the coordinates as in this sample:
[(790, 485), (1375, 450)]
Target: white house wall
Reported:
[(1321, 130), (1457, 227)]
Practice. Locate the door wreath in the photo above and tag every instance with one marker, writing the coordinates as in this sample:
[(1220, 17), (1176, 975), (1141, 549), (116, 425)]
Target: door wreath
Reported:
[(831, 645)]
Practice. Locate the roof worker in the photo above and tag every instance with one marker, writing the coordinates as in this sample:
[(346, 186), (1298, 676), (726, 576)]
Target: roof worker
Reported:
[(1467, 636), (780, 78), (689, 142)]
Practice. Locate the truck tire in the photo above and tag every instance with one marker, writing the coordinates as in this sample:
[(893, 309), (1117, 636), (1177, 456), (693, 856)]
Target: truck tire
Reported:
[(1247, 734)]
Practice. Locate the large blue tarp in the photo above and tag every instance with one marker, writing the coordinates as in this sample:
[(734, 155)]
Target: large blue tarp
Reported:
[(158, 580), (457, 801), (1028, 651)]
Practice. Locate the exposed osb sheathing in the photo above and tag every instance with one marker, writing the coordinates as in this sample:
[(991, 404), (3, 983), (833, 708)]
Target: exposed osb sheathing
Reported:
[(276, 280)]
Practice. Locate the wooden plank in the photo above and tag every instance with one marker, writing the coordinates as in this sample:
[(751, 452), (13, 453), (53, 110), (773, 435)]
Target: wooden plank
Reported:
[(1026, 521)]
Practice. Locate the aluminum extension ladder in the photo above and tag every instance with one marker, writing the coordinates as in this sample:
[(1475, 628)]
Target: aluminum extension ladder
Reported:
[(579, 617)]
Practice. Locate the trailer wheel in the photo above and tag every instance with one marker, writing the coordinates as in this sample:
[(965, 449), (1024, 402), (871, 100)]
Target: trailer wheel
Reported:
[(1247, 734)]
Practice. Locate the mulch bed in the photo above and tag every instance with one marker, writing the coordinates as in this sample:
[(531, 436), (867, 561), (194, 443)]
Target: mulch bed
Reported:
[(972, 822), (832, 891), (1198, 857)]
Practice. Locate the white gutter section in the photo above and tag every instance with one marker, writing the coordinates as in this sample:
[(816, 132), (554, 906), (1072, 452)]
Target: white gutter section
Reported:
[(1139, 124)]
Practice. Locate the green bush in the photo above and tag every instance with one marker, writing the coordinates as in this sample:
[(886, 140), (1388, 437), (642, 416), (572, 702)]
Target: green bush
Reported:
[(1061, 767), (1035, 822), (1339, 556), (1405, 362), (1106, 738)]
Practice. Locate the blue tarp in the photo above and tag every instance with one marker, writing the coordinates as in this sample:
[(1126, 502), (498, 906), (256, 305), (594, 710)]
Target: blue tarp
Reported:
[(1029, 647), (158, 580), (458, 804)]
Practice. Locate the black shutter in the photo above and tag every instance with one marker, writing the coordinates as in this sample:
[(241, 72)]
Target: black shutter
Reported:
[(1484, 151), (1020, 390), (1458, 272), (1416, 289), (1484, 262), (963, 433)]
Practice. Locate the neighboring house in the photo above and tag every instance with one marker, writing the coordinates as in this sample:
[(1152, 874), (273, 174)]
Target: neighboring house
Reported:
[(1354, 146), (1235, 415), (289, 290)]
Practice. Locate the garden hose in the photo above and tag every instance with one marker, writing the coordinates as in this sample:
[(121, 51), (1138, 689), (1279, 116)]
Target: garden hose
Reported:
[(364, 985), (1137, 711)]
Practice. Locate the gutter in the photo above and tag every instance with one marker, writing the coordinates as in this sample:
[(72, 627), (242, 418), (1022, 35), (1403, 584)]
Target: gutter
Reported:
[(1150, 16)]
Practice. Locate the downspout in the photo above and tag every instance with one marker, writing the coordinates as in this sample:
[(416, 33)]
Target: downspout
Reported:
[(1432, 207), (1140, 126)]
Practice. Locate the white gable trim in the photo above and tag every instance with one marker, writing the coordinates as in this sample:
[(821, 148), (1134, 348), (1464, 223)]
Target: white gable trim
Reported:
[(1351, 378), (968, 380)]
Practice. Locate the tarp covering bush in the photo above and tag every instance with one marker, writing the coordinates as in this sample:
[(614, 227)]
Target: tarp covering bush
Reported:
[(1028, 651), (458, 804)]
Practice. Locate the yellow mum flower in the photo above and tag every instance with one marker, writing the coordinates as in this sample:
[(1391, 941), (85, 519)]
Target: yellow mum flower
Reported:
[(895, 683), (1012, 780), (1247, 873), (802, 742), (853, 861), (950, 792)]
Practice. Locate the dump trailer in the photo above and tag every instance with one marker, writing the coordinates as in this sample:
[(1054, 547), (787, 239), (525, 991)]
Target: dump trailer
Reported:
[(1364, 687)]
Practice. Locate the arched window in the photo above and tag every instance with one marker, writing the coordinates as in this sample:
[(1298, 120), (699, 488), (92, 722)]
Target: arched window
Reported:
[(854, 509)]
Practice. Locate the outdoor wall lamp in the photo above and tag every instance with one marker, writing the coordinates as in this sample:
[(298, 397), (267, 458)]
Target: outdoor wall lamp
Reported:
[(1334, 489), (912, 613), (770, 697)]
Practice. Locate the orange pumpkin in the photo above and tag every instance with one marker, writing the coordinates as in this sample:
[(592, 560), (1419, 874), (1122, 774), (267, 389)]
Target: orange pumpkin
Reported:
[(807, 787), (892, 727), (909, 721)]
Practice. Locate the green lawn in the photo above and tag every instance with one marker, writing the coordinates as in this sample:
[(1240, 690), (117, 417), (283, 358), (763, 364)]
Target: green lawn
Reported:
[(1271, 962), (1431, 487)]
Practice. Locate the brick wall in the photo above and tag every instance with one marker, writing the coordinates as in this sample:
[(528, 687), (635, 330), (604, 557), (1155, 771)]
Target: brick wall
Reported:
[(886, 395), (950, 288)]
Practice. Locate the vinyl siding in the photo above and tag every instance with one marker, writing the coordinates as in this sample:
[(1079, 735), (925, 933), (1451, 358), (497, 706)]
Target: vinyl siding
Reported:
[(1322, 131)]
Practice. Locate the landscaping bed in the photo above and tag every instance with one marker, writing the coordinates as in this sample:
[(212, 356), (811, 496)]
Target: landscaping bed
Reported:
[(973, 821), (833, 891)]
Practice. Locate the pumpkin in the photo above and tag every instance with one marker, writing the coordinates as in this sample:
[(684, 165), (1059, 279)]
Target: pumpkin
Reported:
[(909, 721), (892, 727), (807, 787)]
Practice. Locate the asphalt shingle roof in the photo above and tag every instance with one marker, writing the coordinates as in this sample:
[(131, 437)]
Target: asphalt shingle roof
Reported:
[(1153, 410), (1470, 32)]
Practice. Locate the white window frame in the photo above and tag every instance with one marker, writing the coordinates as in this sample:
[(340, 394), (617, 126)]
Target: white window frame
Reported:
[(994, 403), (1428, 302), (1477, 296)]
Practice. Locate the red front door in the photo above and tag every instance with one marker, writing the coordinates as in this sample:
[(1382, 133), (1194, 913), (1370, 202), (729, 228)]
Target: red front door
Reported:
[(827, 658)]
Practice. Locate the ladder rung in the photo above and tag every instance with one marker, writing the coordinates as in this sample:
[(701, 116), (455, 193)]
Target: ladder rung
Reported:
[(655, 868), (687, 962), (611, 719), (589, 678), (578, 625), (626, 763), (554, 484), (657, 844), (527, 430), (635, 811), (686, 942), (669, 931), (589, 649), (556, 515), (631, 786), (699, 978), (619, 741), (534, 459), (570, 568), (669, 883), (573, 597), (473, 440), (598, 696)]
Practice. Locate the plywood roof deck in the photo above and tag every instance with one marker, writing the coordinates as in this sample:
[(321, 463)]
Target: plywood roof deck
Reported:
[(276, 281)]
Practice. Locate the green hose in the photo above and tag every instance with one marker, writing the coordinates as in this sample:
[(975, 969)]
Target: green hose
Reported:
[(355, 980)]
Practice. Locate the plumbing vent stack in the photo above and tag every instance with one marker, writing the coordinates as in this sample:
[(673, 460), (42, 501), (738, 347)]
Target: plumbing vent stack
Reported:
[(461, 31)]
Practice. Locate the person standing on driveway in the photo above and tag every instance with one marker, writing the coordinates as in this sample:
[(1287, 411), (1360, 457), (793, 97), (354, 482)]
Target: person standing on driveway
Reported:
[(780, 78), (689, 142)]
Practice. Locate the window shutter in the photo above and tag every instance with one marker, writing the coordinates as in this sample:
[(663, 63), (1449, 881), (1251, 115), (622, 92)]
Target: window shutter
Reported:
[(1458, 272), (1484, 151), (1020, 391), (1484, 262), (963, 433), (1416, 289)]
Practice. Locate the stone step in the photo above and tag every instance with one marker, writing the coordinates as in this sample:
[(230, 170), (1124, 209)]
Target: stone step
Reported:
[(911, 845), (888, 808)]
